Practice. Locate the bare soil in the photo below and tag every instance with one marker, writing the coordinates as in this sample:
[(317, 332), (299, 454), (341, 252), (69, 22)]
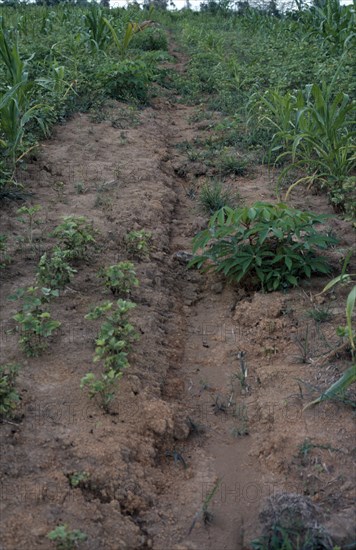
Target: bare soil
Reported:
[(182, 421)]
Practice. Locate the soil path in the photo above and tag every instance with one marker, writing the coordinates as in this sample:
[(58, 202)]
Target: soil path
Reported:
[(185, 420)]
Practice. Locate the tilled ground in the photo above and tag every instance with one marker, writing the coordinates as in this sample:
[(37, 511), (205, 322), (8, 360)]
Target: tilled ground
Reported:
[(183, 420)]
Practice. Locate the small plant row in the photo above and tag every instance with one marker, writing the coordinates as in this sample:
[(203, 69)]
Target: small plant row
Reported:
[(116, 333), (76, 238), (34, 322)]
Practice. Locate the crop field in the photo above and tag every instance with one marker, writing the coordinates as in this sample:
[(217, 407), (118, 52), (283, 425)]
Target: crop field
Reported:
[(178, 277)]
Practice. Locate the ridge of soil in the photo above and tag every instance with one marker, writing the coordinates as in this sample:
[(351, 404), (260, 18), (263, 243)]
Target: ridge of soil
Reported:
[(182, 421)]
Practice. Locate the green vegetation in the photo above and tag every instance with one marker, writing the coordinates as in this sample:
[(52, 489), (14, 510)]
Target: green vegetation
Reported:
[(55, 60), (214, 196), (9, 398), (138, 243), (348, 332), (76, 236), (65, 538), (35, 324), (54, 271), (120, 278), (272, 246), (263, 70), (112, 346)]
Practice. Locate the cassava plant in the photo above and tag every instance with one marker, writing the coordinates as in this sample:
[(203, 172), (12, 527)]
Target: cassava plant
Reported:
[(271, 246)]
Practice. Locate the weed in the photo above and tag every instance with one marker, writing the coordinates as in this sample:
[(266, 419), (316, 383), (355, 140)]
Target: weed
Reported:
[(59, 188), (76, 236), (5, 258), (80, 187), (271, 245), (204, 513), (35, 324), (28, 217), (54, 271), (120, 278), (195, 428), (231, 164), (213, 196), (78, 479), (177, 457), (138, 243), (219, 406), (9, 398), (320, 314), (349, 376), (65, 538), (304, 344)]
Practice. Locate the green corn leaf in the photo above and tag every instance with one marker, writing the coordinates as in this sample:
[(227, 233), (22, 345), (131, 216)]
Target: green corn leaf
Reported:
[(348, 378)]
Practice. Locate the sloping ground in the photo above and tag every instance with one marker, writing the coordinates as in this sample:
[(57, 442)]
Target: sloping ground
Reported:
[(182, 421)]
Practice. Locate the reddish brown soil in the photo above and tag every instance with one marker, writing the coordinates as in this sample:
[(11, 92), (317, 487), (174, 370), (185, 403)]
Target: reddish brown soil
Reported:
[(184, 369)]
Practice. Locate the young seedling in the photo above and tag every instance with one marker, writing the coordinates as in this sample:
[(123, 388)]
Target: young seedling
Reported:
[(54, 271), (120, 278), (115, 336), (35, 324), (177, 457), (219, 406), (138, 243), (65, 538), (76, 236), (9, 398), (78, 479), (28, 217), (103, 388), (204, 513)]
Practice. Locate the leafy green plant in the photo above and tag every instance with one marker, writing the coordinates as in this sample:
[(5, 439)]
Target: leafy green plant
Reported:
[(15, 109), (35, 324), (65, 538), (28, 215), (213, 196), (54, 271), (349, 376), (120, 278), (103, 387), (9, 398), (150, 40), (115, 336), (77, 479), (98, 32), (272, 246), (128, 79), (76, 236), (138, 243)]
